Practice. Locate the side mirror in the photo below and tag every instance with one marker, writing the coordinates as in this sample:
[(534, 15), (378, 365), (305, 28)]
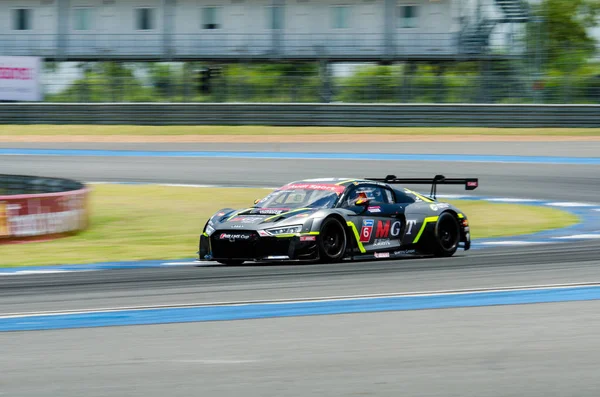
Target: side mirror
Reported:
[(256, 201)]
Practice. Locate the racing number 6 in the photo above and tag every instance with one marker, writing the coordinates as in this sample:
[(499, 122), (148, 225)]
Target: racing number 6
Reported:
[(366, 233)]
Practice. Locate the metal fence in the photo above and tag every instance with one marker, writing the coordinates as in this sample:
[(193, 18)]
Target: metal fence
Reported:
[(502, 84), (347, 45), (354, 115)]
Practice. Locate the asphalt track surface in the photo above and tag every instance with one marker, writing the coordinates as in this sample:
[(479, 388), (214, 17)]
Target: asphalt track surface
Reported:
[(531, 350)]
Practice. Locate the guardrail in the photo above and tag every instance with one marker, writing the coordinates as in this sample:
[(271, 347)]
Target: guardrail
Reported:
[(306, 114), (32, 206)]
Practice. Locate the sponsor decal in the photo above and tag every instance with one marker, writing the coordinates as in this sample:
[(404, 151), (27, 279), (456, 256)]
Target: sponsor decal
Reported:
[(405, 252), (380, 242), (382, 255), (374, 209), (24, 217), (384, 230), (247, 219), (443, 205), (409, 225), (366, 230), (272, 211), (472, 184), (318, 186), (433, 207), (220, 214), (237, 226), (20, 78), (233, 237), (3, 220), (308, 238), (262, 233)]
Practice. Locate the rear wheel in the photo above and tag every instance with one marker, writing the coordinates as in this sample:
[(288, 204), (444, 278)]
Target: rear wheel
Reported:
[(332, 241), (446, 235)]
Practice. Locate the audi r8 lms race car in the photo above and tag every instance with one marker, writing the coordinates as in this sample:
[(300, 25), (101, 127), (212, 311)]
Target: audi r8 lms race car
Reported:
[(334, 219)]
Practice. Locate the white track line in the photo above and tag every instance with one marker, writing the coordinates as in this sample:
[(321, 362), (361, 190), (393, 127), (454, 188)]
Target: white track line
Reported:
[(316, 299), (580, 236), (571, 204)]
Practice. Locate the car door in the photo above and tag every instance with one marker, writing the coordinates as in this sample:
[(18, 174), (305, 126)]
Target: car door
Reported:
[(380, 222)]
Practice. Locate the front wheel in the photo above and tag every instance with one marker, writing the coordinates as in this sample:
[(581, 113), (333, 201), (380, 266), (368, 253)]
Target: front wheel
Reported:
[(446, 235), (332, 241)]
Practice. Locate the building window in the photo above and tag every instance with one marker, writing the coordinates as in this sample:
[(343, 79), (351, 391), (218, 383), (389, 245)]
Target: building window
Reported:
[(275, 17), (22, 19), (82, 18), (340, 17), (145, 18), (408, 16), (210, 18)]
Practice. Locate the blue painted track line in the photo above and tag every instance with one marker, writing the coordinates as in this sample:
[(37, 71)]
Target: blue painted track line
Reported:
[(294, 309), (310, 156)]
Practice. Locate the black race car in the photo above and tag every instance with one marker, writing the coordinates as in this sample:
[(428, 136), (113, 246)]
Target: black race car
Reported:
[(332, 219)]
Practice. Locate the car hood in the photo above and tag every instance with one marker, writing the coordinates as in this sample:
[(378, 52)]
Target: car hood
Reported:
[(258, 218)]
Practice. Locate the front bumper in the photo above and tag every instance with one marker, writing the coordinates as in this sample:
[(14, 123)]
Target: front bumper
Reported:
[(249, 246)]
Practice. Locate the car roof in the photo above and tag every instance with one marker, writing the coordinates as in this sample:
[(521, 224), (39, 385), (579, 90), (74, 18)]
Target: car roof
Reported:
[(338, 181), (333, 181)]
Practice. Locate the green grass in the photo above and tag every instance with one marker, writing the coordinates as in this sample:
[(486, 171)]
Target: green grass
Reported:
[(66, 130), (160, 222)]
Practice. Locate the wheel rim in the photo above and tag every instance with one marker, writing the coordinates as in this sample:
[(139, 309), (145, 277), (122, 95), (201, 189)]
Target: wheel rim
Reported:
[(332, 241), (448, 234)]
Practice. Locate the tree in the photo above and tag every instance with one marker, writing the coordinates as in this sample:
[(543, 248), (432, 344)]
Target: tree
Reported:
[(559, 30)]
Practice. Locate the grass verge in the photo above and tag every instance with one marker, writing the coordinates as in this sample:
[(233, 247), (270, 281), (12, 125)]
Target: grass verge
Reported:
[(161, 222), (92, 130)]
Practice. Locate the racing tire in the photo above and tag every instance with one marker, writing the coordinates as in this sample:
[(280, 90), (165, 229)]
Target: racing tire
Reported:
[(332, 241), (231, 262), (446, 235)]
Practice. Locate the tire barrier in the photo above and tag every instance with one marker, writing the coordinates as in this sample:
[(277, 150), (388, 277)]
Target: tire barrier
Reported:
[(34, 207)]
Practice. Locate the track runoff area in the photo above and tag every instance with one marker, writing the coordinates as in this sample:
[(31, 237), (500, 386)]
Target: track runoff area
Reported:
[(586, 230)]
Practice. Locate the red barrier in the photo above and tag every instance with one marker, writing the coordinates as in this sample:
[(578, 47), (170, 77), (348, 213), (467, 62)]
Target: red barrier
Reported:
[(46, 214)]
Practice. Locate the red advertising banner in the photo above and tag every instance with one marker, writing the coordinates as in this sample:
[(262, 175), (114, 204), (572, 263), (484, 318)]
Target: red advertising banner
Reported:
[(43, 214)]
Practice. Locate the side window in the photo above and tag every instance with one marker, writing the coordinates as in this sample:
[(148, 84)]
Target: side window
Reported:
[(376, 194)]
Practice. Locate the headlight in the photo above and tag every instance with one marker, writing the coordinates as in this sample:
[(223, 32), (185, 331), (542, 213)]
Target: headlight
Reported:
[(209, 230), (285, 230)]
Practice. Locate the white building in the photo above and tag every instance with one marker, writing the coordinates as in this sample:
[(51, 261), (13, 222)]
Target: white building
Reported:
[(259, 29)]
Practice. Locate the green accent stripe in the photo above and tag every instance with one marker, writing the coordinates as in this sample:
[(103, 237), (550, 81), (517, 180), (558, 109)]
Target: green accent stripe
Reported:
[(427, 200), (425, 222), (286, 213), (288, 235), (238, 213), (357, 236)]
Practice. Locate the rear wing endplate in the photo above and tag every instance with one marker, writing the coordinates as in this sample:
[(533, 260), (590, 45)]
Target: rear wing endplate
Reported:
[(470, 183)]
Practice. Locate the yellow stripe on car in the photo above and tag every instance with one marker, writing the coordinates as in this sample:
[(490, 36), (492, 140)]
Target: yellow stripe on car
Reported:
[(346, 181), (425, 222), (286, 213), (288, 235), (428, 200), (357, 236)]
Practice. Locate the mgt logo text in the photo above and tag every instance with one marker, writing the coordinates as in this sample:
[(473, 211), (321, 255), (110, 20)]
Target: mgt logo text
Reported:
[(385, 230)]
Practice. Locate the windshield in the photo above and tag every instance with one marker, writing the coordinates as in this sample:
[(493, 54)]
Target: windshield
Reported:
[(303, 195)]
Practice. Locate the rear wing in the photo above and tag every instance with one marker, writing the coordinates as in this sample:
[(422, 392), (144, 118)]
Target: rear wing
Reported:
[(470, 183)]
